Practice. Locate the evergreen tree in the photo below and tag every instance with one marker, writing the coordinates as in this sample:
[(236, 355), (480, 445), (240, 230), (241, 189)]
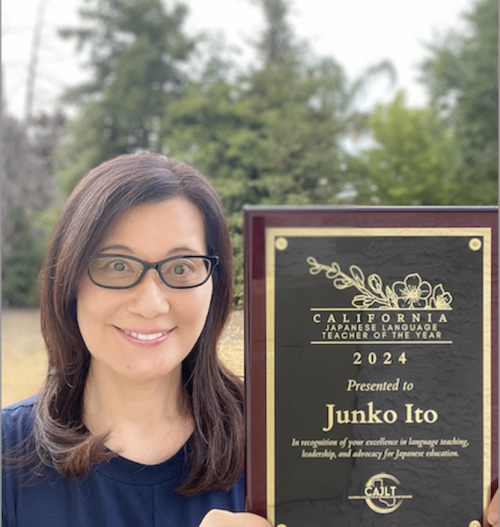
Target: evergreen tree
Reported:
[(21, 266), (29, 190), (137, 53), (277, 42), (273, 135), (461, 74)]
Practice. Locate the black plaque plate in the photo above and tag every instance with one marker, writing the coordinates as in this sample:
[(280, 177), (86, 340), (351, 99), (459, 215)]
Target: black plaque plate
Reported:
[(373, 366)]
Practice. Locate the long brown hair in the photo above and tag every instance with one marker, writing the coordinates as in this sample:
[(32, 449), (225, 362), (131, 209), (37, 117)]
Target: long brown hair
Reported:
[(216, 395)]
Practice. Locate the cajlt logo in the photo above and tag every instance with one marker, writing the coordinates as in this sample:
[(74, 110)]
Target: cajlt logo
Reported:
[(382, 493)]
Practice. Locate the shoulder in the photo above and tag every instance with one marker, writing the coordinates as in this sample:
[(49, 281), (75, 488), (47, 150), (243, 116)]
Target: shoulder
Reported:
[(21, 410), (17, 421), (20, 406)]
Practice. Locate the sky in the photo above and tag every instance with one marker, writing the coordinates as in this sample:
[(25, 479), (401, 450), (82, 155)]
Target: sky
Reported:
[(357, 33)]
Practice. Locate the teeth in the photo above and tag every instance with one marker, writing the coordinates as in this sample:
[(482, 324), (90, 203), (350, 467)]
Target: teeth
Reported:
[(144, 336)]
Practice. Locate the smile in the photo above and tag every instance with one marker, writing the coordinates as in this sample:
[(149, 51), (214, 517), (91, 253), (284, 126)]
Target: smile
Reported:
[(145, 336)]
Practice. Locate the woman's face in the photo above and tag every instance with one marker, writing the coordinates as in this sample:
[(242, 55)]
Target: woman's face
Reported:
[(145, 332)]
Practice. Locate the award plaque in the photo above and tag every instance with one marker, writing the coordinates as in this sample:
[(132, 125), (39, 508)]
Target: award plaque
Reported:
[(371, 365)]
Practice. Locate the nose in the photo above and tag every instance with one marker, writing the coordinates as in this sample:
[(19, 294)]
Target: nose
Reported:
[(150, 296)]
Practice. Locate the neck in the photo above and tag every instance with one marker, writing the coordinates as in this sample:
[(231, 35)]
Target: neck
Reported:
[(147, 421)]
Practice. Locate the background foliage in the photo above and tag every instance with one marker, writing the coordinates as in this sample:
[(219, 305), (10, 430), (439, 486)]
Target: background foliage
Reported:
[(286, 130)]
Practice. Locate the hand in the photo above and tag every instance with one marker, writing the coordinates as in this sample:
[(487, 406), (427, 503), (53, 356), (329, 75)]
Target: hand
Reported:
[(493, 511), (219, 518)]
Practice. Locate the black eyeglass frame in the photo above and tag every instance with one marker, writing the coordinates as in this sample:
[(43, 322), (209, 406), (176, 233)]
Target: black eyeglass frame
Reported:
[(213, 259)]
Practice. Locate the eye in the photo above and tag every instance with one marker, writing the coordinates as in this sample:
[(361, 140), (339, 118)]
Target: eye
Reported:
[(118, 266), (180, 269), (115, 266)]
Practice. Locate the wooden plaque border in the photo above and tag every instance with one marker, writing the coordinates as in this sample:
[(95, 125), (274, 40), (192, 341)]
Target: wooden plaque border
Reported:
[(257, 220)]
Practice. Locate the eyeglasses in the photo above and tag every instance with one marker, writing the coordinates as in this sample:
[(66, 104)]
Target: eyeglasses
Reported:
[(115, 271)]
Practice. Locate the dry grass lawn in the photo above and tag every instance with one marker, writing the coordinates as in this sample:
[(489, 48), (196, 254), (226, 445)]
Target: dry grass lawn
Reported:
[(24, 360)]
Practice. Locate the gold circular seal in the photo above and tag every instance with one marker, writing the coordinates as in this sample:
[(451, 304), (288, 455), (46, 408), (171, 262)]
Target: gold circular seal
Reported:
[(475, 523), (281, 245), (475, 244)]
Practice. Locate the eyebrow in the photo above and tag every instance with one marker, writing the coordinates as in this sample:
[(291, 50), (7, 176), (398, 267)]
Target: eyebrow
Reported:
[(118, 247), (124, 248)]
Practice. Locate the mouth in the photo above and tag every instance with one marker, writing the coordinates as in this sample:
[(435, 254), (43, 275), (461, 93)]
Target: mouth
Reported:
[(145, 336), (150, 337)]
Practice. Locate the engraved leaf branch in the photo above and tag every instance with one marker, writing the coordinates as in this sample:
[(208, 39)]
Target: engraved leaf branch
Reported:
[(410, 293)]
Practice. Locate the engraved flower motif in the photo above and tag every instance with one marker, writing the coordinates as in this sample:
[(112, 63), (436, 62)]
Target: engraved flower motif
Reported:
[(413, 292), (441, 298)]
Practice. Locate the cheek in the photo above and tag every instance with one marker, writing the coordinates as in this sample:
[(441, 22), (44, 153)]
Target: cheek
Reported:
[(83, 300), (90, 310), (200, 305), (196, 310)]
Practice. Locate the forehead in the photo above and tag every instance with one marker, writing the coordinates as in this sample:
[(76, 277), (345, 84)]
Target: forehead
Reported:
[(172, 221)]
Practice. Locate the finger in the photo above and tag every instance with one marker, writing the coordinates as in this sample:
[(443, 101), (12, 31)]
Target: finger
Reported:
[(220, 518), (493, 511)]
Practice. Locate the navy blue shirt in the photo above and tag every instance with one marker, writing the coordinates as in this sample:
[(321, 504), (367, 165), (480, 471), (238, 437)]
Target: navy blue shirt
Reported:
[(118, 493)]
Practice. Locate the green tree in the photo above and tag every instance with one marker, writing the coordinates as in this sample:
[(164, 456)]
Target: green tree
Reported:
[(136, 53), (258, 146), (461, 74), (277, 41), (413, 161), (21, 267), (29, 190), (273, 135)]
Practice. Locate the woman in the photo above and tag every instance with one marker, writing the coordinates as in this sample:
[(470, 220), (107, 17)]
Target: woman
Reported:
[(138, 422)]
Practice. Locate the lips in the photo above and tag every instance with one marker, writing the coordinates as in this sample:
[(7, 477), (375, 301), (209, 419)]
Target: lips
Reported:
[(145, 336)]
